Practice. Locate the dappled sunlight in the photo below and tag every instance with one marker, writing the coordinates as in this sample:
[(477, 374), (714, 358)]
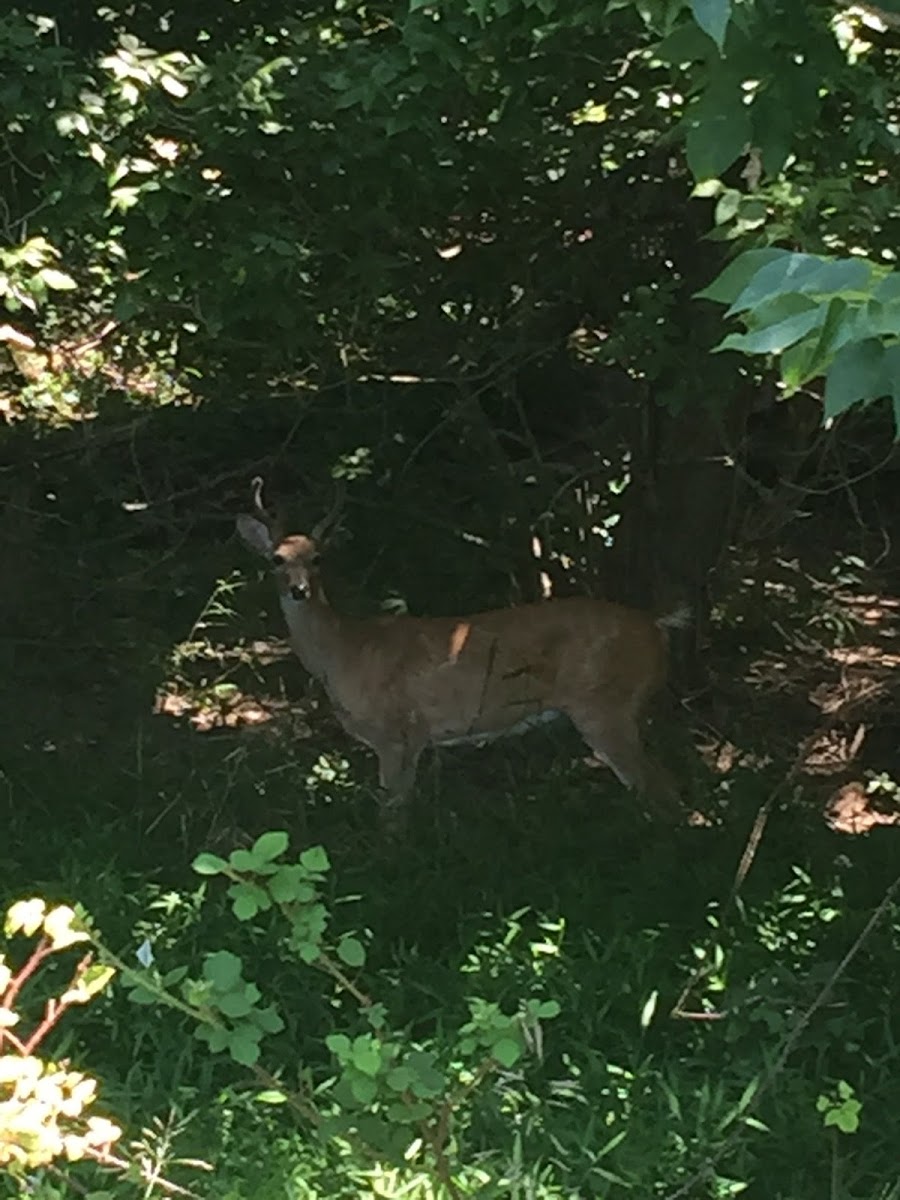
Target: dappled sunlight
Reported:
[(818, 684)]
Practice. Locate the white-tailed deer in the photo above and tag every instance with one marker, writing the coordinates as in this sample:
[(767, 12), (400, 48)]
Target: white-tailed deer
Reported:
[(400, 683)]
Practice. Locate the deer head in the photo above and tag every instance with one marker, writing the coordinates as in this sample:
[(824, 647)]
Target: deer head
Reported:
[(295, 558)]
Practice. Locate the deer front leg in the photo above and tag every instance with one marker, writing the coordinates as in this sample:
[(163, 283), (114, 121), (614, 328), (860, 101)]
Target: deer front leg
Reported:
[(397, 762)]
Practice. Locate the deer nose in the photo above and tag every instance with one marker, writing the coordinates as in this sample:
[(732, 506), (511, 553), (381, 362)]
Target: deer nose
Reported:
[(299, 591)]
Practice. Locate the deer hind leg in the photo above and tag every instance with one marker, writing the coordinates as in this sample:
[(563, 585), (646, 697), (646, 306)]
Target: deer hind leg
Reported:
[(616, 740), (397, 763)]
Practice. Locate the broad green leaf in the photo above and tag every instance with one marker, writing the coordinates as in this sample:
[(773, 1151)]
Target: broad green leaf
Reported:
[(57, 281), (289, 883), (366, 1055), (215, 1037), (209, 864), (364, 1089), (315, 859), (728, 204), (234, 1004), (795, 363), (338, 1044), (223, 969), (804, 273), (775, 338), (857, 373), (685, 44), (270, 1096), (351, 951), (244, 906), (716, 137), (268, 1019), (506, 1052), (399, 1079), (712, 16), (879, 319), (271, 845), (812, 356), (243, 860), (729, 284), (888, 289), (174, 86), (243, 1047)]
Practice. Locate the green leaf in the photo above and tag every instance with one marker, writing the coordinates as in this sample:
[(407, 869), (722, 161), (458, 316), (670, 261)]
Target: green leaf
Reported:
[(234, 1004), (888, 289), (223, 969), (215, 1037), (351, 951), (364, 1089), (727, 206), (857, 373), (315, 859), (173, 86), (712, 16), (267, 1019), (290, 884), (339, 1045), (717, 135), (248, 899), (806, 274), (209, 864), (366, 1055), (141, 995), (245, 906), (399, 1079), (270, 1096), (547, 1010), (243, 1047), (687, 43), (506, 1052), (810, 356), (58, 281), (243, 860), (271, 845), (375, 1015), (729, 284), (775, 338)]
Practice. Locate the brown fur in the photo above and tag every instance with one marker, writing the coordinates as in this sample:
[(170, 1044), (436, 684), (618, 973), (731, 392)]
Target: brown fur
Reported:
[(401, 683)]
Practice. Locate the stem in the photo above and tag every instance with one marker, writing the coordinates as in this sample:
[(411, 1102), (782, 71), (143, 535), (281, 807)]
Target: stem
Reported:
[(327, 964), (54, 1009), (41, 951)]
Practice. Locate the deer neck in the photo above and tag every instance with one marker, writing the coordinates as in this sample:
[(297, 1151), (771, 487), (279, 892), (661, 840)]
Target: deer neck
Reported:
[(315, 632)]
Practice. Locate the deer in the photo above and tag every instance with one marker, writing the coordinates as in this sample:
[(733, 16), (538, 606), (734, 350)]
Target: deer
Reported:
[(399, 683)]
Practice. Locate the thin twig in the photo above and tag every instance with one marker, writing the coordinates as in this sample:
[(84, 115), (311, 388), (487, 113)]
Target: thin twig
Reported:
[(790, 1042)]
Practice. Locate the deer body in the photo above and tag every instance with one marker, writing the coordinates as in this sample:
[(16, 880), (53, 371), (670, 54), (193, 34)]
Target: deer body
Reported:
[(400, 683)]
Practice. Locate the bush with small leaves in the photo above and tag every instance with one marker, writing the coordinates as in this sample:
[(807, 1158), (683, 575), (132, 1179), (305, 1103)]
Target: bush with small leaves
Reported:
[(44, 1106)]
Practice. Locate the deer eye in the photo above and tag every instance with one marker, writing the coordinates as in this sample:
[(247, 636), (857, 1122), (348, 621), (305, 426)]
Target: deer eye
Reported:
[(277, 560)]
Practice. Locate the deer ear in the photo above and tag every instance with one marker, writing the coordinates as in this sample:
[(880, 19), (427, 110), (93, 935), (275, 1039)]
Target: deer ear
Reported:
[(255, 534)]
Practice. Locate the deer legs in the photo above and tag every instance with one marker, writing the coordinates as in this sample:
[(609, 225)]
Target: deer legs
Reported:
[(397, 763), (615, 739)]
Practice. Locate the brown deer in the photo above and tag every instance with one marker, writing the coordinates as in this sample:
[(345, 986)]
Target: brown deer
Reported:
[(400, 683)]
